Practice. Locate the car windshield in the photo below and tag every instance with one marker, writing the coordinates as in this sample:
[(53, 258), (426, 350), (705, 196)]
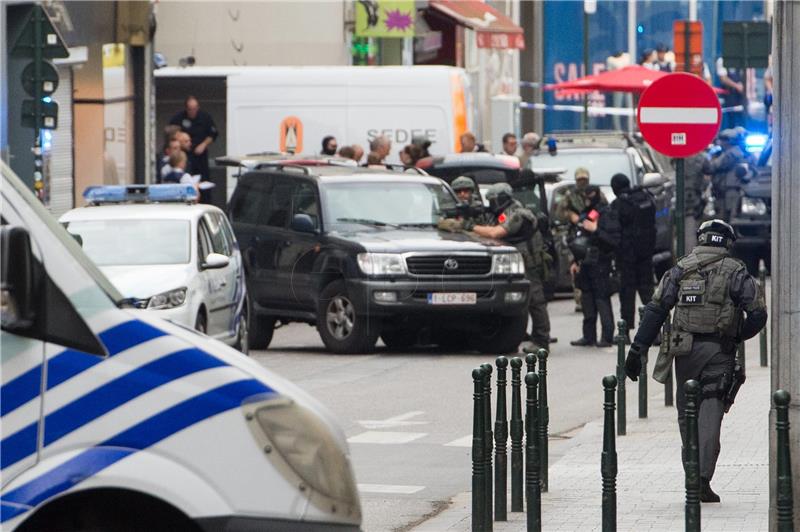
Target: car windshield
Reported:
[(133, 242), (602, 165), (386, 203)]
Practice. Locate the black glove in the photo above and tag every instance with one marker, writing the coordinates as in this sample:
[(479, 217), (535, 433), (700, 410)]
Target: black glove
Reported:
[(633, 364)]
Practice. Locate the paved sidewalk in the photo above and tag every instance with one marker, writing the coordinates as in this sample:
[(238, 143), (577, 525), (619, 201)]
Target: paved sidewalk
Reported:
[(650, 482)]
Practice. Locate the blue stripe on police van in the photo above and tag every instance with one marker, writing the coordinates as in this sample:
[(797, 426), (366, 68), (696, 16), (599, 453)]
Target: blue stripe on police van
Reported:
[(69, 363), (105, 399), (140, 436), (20, 390)]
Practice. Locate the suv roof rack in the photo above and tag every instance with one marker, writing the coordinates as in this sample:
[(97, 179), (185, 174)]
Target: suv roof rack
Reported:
[(255, 161), (394, 167)]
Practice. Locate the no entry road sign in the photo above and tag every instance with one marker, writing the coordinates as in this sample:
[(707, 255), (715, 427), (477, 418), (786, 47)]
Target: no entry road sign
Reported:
[(679, 114)]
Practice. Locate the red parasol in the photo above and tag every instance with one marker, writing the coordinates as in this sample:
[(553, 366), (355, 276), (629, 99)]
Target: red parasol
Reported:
[(632, 78)]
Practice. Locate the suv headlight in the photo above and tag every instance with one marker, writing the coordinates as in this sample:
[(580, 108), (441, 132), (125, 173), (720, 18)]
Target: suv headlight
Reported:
[(753, 206), (301, 447), (173, 298), (382, 263), (508, 264)]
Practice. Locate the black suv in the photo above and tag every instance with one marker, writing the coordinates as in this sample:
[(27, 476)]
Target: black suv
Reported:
[(356, 252), (753, 219)]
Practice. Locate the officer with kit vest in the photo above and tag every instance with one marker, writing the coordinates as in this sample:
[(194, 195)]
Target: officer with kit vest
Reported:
[(519, 227), (717, 305)]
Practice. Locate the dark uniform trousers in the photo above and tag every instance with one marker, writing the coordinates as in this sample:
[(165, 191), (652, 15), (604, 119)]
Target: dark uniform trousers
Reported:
[(705, 364), (634, 277), (537, 308), (594, 282)]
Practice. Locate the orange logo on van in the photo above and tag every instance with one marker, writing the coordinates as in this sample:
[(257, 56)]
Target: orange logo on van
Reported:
[(291, 138)]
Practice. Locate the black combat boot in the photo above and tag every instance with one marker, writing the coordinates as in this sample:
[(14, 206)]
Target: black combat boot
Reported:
[(706, 493)]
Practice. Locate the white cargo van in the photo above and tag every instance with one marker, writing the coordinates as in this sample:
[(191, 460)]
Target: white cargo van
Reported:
[(117, 420), (293, 108)]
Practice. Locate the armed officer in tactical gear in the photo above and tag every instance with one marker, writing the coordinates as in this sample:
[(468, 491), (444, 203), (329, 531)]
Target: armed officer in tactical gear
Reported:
[(727, 178), (519, 227), (471, 210), (717, 305)]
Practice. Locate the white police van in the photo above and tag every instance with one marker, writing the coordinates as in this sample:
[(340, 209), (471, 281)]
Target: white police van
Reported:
[(167, 254), (118, 420)]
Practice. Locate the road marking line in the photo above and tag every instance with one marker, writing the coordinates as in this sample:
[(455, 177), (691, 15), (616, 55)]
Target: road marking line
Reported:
[(466, 441), (389, 488), (678, 115), (396, 421), (386, 438)]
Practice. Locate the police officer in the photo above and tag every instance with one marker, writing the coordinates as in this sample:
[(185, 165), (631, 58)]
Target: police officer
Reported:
[(592, 247), (724, 169), (572, 204), (635, 210), (711, 292), (464, 187), (518, 226), (694, 185)]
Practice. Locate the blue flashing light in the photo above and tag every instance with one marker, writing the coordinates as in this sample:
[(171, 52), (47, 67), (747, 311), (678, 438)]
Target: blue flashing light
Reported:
[(640, 28), (755, 141), (170, 193), (47, 99)]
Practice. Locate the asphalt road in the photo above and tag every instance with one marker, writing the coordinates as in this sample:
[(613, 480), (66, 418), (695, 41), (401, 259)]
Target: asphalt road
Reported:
[(407, 416)]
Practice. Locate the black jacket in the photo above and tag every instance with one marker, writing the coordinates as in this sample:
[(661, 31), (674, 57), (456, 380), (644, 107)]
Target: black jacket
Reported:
[(635, 211)]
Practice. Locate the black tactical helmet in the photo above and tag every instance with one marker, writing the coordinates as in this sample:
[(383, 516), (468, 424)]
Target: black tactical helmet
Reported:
[(716, 233), (579, 246), (500, 196)]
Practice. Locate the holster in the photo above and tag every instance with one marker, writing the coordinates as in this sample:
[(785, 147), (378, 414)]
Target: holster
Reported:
[(736, 382)]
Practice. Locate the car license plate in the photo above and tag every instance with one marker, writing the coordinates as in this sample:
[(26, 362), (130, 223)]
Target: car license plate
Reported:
[(453, 298)]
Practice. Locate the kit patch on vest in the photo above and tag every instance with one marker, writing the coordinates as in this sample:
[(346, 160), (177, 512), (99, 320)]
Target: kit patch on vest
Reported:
[(691, 299)]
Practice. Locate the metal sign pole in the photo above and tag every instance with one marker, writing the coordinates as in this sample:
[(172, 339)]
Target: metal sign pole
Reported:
[(38, 174), (680, 206)]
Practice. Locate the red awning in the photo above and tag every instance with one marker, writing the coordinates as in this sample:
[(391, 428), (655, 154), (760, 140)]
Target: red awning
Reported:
[(493, 29)]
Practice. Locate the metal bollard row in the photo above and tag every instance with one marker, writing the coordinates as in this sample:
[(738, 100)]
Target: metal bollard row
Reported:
[(608, 460), (622, 331), (490, 485), (785, 499)]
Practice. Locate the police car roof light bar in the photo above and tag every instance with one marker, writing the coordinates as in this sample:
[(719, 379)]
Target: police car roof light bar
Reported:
[(169, 193)]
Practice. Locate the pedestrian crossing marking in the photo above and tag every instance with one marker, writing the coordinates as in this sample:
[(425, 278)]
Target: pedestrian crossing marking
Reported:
[(386, 438), (389, 488), (466, 441)]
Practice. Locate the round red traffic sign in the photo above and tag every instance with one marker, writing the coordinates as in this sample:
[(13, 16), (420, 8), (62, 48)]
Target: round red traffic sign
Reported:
[(679, 114)]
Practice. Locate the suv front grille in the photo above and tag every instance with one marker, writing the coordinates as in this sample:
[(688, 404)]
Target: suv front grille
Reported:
[(449, 264)]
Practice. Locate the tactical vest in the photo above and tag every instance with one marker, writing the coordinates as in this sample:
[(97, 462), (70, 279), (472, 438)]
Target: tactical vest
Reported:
[(704, 304), (525, 239), (639, 234)]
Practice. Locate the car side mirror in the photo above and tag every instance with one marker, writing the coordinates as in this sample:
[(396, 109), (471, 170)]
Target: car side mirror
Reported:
[(302, 223), (653, 179), (215, 261), (18, 284)]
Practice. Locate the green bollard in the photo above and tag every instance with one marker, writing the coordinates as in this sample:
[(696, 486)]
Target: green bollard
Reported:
[(608, 460), (516, 436), (530, 364), (533, 487), (501, 441), (785, 498), (488, 442), (478, 447), (762, 336), (622, 331), (668, 384), (544, 420), (692, 463), (643, 378)]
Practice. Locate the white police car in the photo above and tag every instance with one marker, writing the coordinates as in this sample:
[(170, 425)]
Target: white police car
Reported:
[(113, 419), (167, 254)]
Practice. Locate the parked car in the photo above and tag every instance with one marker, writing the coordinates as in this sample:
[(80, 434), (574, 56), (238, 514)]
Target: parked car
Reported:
[(168, 255), (753, 219), (356, 252), (604, 154)]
